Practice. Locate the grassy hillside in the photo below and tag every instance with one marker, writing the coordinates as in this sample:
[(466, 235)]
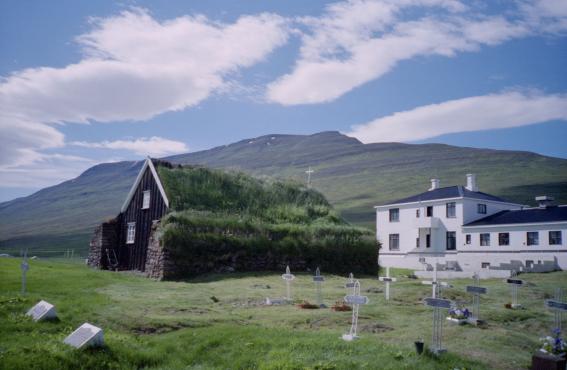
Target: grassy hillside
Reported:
[(167, 325), (353, 176)]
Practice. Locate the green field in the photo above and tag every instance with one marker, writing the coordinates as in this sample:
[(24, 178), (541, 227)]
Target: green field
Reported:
[(171, 325)]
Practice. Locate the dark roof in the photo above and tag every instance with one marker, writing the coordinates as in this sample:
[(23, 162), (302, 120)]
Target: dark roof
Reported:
[(448, 192), (524, 216)]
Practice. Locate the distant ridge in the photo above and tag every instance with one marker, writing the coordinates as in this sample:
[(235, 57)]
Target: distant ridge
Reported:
[(352, 175)]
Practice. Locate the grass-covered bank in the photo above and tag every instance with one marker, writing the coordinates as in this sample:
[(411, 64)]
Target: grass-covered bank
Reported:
[(171, 325)]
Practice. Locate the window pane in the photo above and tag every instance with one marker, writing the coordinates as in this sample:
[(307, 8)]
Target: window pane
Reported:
[(394, 214), (146, 200), (504, 239), (532, 238), (430, 211), (485, 239), (451, 210), (394, 242), (555, 238), (451, 240), (468, 239), (481, 208)]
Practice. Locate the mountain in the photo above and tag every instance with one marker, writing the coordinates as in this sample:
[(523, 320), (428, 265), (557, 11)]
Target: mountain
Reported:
[(352, 175)]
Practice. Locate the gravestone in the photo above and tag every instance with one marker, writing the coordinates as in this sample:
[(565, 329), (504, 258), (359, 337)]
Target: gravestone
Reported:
[(288, 277), (86, 335), (356, 300), (435, 284), (24, 267), (438, 304), (42, 311), (476, 290), (318, 280), (514, 285), (558, 306), (388, 280)]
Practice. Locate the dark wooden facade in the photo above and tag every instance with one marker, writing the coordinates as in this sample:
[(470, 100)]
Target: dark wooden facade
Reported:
[(132, 256)]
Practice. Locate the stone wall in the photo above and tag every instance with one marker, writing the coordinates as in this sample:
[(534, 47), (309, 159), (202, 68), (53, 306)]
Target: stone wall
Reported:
[(105, 238)]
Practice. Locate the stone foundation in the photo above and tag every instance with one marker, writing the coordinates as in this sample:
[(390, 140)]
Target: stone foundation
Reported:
[(105, 238)]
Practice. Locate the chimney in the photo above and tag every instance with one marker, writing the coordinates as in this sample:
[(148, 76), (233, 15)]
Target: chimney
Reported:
[(544, 201), (434, 184), (471, 182)]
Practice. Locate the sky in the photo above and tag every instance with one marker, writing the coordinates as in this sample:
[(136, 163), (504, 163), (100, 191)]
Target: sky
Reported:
[(87, 82)]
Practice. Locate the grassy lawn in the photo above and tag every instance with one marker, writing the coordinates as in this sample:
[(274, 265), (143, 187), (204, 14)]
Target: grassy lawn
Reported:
[(171, 325)]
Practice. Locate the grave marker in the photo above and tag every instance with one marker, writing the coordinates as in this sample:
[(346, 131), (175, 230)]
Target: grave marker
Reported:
[(42, 311), (435, 284), (24, 267), (86, 335), (288, 277), (438, 304), (318, 280), (387, 279), (356, 300), (514, 284), (476, 290), (350, 283), (558, 306)]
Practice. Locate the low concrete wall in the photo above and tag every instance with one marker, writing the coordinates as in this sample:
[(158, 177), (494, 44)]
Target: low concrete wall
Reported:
[(446, 275)]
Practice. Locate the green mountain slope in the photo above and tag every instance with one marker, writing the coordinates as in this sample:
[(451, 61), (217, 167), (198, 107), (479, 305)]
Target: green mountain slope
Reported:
[(353, 176)]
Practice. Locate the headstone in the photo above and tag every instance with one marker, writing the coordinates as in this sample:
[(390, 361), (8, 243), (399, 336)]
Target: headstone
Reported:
[(318, 280), (356, 300), (514, 285), (388, 280), (42, 311), (438, 304), (288, 277), (24, 267), (476, 291), (558, 306), (86, 335), (435, 284)]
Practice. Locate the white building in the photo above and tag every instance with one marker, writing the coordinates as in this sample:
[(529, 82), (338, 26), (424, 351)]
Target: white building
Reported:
[(469, 231)]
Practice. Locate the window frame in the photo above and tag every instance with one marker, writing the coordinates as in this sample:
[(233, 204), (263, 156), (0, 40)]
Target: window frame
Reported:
[(500, 235), (146, 199), (556, 241), (484, 242), (532, 241), (429, 211), (427, 240), (453, 207), (451, 235), (131, 233), (391, 238), (394, 214), (481, 208), (468, 239)]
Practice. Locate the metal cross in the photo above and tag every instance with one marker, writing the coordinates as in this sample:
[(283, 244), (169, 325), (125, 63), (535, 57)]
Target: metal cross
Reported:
[(558, 306), (476, 290), (309, 172), (438, 319), (435, 285), (288, 277), (356, 300), (387, 279), (514, 284), (350, 284), (318, 279), (25, 267)]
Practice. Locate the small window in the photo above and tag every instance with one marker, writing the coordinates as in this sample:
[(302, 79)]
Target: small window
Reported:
[(485, 239), (451, 210), (485, 265), (503, 238), (468, 239), (451, 240), (429, 211), (481, 208), (417, 213), (131, 233), (394, 215), (532, 238), (555, 238), (529, 264), (417, 242), (146, 200), (394, 242), (427, 240)]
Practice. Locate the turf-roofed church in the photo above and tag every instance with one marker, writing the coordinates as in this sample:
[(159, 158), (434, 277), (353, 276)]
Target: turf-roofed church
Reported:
[(180, 221)]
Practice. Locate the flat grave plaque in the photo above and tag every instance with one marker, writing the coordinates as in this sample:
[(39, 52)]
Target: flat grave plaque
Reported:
[(86, 335), (438, 302), (42, 311), (476, 289), (550, 303)]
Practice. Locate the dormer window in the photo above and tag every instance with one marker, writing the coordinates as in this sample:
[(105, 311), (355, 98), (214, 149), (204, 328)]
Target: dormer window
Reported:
[(146, 200)]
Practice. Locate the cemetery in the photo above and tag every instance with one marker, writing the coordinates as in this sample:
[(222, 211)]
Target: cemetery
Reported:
[(125, 320)]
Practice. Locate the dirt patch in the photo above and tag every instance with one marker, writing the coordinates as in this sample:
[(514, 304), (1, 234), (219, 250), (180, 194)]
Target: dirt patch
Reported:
[(260, 286), (374, 290), (191, 310), (375, 328)]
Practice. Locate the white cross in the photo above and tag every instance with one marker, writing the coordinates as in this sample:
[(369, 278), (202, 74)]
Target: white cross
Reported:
[(318, 279), (288, 277), (309, 172), (350, 283), (558, 306), (356, 300), (435, 285), (387, 279)]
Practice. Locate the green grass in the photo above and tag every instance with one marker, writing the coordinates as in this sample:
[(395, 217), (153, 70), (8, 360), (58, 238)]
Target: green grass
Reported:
[(171, 325)]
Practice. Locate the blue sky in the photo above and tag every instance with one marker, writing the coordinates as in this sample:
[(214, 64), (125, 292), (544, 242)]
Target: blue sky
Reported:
[(90, 82)]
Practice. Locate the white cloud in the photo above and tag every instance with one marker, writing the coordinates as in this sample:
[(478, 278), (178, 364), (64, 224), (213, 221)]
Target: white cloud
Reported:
[(134, 68), (358, 41), (504, 110), (153, 146)]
